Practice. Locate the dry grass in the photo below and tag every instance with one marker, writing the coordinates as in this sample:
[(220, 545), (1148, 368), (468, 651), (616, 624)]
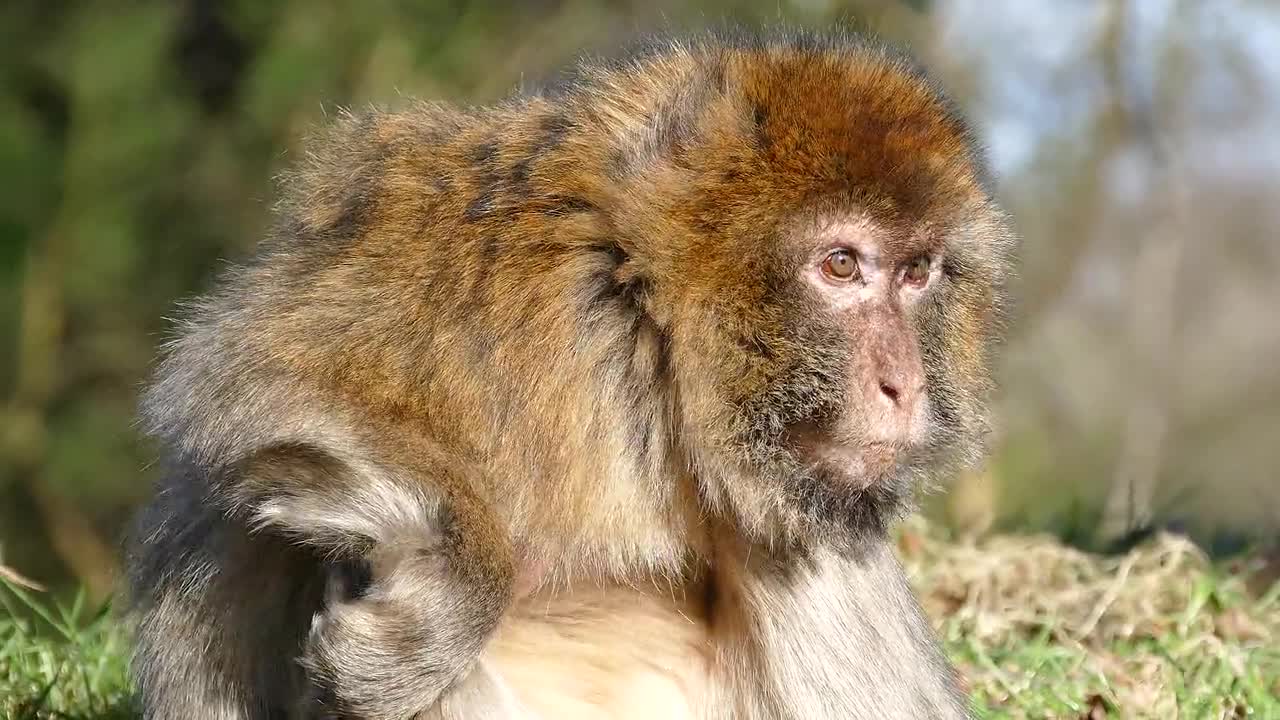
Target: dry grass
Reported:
[(1044, 630)]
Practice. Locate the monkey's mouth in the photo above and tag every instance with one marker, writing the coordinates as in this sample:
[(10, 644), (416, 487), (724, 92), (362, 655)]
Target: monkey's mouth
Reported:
[(857, 467), (855, 463)]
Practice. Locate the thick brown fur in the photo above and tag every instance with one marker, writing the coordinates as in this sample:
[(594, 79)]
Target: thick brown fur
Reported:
[(550, 345)]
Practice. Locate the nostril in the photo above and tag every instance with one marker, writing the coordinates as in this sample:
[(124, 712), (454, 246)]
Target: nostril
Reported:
[(890, 391)]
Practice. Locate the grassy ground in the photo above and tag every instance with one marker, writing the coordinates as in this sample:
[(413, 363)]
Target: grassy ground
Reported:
[(1038, 629), (1044, 631), (59, 661)]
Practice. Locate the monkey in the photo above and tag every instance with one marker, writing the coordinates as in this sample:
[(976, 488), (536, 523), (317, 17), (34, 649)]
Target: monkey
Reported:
[(597, 401)]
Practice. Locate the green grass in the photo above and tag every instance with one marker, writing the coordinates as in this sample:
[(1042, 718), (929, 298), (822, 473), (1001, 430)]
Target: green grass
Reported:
[(1038, 629), (1043, 679), (59, 661)]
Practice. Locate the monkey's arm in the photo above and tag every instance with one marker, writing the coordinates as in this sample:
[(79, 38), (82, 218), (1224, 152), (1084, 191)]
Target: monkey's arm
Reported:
[(834, 636), (423, 578)]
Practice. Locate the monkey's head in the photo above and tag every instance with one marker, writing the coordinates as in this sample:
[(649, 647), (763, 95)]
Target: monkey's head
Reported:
[(831, 275)]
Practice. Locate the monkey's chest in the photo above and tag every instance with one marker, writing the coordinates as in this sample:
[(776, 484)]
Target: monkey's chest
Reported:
[(605, 653)]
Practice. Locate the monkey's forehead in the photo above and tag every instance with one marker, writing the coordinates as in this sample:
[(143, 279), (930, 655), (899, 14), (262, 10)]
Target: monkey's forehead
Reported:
[(795, 121), (863, 121)]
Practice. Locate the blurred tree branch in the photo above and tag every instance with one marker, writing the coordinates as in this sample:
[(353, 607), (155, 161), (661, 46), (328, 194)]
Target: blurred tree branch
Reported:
[(42, 322), (1129, 501)]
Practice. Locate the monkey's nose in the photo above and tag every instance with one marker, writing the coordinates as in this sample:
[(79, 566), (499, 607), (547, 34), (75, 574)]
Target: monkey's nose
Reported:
[(895, 406), (889, 391)]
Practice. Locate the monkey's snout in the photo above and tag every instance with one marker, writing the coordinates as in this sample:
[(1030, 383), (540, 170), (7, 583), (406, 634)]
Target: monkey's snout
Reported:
[(894, 411)]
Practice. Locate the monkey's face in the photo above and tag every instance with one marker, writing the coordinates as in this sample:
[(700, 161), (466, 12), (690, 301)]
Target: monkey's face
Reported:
[(856, 362), (852, 364), (844, 271), (865, 294)]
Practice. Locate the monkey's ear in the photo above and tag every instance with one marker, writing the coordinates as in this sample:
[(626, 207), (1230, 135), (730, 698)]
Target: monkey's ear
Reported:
[(627, 271), (635, 287), (628, 281)]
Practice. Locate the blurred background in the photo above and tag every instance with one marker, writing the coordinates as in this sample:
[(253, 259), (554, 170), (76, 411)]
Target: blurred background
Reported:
[(1135, 140)]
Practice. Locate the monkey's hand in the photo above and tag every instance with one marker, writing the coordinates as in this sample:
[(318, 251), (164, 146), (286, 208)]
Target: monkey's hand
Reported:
[(397, 631)]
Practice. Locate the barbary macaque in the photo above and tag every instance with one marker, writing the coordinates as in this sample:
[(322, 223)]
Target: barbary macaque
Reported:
[(599, 402)]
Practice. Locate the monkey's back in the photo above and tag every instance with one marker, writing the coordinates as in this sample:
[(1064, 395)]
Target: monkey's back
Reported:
[(446, 273)]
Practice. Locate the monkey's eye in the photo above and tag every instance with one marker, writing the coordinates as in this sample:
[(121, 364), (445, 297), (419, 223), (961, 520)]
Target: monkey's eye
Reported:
[(917, 271), (840, 265)]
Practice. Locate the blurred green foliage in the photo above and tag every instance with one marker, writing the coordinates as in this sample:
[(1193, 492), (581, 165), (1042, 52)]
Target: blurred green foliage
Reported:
[(137, 147)]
